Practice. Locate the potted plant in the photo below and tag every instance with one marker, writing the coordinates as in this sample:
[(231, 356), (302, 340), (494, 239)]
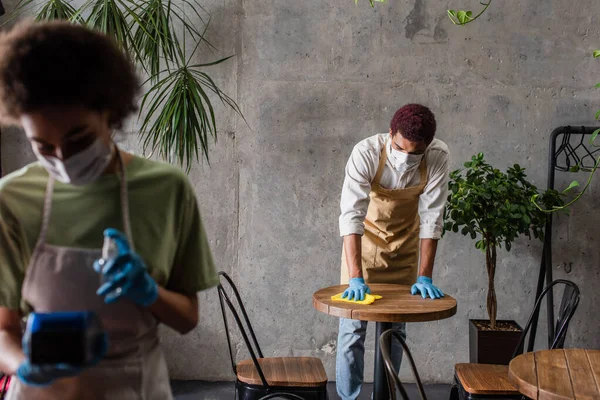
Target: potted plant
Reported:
[(495, 208)]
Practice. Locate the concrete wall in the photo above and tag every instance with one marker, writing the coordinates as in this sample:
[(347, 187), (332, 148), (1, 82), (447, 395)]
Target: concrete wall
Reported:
[(315, 77)]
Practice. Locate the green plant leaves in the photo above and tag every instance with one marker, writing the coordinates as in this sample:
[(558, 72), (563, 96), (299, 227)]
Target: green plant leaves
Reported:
[(112, 17), (58, 10), (460, 17), (550, 208), (154, 37), (372, 2), (46, 11), (573, 184), (180, 118), (463, 17), (594, 136), (494, 205), (596, 53)]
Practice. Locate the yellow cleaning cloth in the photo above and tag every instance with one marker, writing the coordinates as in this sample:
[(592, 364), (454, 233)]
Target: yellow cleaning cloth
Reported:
[(369, 299)]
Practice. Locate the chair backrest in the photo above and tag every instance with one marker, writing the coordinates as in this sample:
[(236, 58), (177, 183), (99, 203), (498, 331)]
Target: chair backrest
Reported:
[(253, 346), (289, 396), (568, 305), (385, 344)]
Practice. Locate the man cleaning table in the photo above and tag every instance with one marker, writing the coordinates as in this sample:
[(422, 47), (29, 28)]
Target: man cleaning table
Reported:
[(392, 206)]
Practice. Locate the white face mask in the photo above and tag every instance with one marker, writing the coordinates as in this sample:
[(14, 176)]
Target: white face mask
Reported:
[(81, 168), (404, 162)]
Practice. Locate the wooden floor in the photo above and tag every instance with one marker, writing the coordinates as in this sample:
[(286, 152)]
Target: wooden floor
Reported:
[(197, 390)]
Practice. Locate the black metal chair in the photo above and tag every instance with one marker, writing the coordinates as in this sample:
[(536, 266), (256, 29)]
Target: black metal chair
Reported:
[(385, 344), (261, 377), (487, 381)]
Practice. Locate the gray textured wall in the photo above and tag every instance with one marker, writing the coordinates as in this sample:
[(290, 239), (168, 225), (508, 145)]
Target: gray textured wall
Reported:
[(315, 77)]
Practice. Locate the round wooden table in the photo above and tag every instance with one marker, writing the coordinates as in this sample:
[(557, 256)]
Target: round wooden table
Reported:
[(557, 374), (397, 305)]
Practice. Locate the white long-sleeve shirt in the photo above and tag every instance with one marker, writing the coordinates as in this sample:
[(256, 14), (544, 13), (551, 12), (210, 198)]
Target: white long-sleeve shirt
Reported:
[(360, 172)]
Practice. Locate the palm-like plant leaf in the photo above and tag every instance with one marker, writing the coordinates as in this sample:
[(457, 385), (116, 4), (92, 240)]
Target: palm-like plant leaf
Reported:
[(23, 7), (154, 36), (179, 116), (59, 10), (113, 18)]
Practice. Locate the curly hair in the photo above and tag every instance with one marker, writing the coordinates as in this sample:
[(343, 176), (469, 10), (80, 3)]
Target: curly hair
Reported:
[(53, 64), (415, 122)]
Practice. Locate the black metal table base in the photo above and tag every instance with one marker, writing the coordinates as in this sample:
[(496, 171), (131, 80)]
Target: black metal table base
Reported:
[(380, 384)]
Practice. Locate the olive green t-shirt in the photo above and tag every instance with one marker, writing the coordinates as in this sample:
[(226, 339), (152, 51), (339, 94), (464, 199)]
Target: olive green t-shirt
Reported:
[(165, 221)]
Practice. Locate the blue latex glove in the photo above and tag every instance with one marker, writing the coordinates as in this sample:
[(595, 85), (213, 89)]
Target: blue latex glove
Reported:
[(425, 286), (44, 375), (357, 290), (126, 275)]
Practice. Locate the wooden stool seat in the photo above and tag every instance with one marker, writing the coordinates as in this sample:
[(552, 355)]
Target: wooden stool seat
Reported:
[(485, 379), (284, 371)]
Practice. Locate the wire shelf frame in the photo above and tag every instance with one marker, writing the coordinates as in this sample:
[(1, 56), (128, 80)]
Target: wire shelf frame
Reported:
[(574, 152)]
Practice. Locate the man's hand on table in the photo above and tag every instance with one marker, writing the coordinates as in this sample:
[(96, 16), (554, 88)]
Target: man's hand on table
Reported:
[(357, 290), (426, 287)]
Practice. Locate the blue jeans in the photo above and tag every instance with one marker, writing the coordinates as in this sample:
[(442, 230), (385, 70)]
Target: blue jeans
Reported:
[(350, 359)]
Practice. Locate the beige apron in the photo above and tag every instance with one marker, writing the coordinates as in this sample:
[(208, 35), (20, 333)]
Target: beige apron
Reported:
[(63, 279), (390, 244)]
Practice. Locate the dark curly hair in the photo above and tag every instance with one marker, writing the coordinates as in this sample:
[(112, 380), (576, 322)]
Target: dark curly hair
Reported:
[(61, 64), (415, 122)]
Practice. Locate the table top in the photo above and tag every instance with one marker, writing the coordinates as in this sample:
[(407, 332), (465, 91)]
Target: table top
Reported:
[(557, 374), (397, 305)]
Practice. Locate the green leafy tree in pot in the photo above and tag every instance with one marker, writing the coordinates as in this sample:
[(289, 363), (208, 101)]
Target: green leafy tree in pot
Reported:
[(495, 208)]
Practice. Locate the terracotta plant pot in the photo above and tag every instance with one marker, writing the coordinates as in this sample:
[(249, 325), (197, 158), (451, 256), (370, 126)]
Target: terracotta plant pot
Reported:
[(487, 346)]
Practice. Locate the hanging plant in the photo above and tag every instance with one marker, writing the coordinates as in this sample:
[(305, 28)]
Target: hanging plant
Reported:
[(463, 17), (577, 168), (372, 2), (177, 115)]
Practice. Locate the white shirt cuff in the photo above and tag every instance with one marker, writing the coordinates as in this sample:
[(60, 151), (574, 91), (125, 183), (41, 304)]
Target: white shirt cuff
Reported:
[(351, 228), (430, 232)]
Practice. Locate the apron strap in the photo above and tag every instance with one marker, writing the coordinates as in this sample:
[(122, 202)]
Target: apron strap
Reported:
[(125, 200), (380, 168), (423, 178), (47, 210), (124, 195)]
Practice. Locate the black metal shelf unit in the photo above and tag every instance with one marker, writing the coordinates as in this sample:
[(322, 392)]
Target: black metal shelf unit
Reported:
[(569, 147)]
